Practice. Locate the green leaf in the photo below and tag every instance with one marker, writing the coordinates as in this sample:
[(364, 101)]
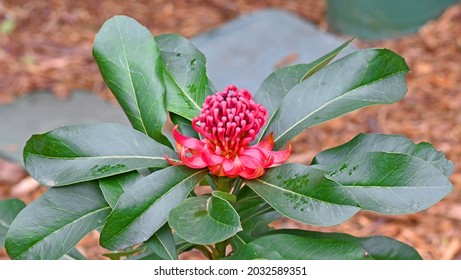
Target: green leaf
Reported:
[(276, 86), (73, 254), (363, 143), (51, 225), (143, 208), (113, 187), (375, 181), (9, 209), (255, 213), (304, 194), (253, 228), (181, 244), (291, 247), (118, 255), (376, 247), (185, 75), (73, 154), (205, 220), (184, 126), (160, 246), (130, 64), (363, 78), (390, 183), (254, 251), (305, 245), (249, 204), (259, 224), (225, 195)]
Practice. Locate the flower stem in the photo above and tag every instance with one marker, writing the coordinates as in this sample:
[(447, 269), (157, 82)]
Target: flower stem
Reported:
[(212, 181), (224, 184), (205, 251), (220, 250)]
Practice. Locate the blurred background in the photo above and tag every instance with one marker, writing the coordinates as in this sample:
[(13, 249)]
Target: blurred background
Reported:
[(46, 45)]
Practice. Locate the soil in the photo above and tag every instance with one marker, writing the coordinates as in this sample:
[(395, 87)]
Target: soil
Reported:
[(47, 45)]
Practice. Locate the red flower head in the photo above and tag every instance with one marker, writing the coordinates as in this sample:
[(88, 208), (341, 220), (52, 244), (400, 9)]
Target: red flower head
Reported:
[(229, 121)]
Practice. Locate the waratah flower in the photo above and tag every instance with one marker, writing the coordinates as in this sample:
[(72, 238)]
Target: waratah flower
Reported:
[(229, 122)]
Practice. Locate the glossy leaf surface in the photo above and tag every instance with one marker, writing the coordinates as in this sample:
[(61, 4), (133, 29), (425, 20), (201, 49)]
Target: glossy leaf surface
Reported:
[(181, 244), (375, 247), (9, 209), (185, 75), (205, 220), (390, 183), (184, 125), (160, 246), (255, 213), (276, 86), (360, 79), (143, 208), (376, 181), (305, 245), (113, 187), (51, 225), (363, 143), (130, 64), (73, 154), (304, 194)]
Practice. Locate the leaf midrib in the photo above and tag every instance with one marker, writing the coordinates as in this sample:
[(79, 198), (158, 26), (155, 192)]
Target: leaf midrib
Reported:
[(98, 157), (164, 246), (131, 78), (350, 242), (412, 155), (53, 232), (306, 75), (150, 206), (332, 101), (180, 88), (292, 192)]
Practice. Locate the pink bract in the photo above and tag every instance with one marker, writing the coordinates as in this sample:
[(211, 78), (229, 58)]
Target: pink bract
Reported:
[(229, 122)]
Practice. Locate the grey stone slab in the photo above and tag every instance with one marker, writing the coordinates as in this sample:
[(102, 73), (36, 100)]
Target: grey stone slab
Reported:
[(41, 111), (241, 52), (246, 50)]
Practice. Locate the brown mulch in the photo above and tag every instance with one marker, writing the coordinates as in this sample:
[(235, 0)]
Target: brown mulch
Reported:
[(47, 45)]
